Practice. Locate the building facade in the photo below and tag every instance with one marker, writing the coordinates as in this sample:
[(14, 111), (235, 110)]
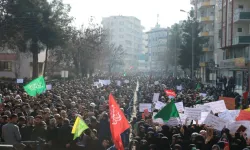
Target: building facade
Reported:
[(126, 31), (19, 65), (234, 38), (157, 48), (143, 58)]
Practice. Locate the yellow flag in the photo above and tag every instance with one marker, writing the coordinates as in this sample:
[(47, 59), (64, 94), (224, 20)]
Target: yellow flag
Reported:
[(79, 127)]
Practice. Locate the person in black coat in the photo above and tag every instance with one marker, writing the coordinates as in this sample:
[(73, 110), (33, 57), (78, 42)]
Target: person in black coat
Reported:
[(65, 137)]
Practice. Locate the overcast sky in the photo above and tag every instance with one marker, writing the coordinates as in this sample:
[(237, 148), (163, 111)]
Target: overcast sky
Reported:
[(145, 10)]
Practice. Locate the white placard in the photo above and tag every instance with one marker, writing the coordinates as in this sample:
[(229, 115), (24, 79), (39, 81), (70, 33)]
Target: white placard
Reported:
[(234, 126), (19, 80), (118, 83), (204, 108), (105, 82), (215, 122), (48, 87), (173, 122), (218, 106), (159, 105), (179, 106), (234, 113), (126, 81), (155, 97), (99, 85), (193, 113), (158, 120), (64, 74), (179, 88), (96, 83), (226, 116), (144, 106), (203, 94), (203, 117), (183, 118)]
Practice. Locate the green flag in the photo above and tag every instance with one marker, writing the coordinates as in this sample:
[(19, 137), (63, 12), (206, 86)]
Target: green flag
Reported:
[(169, 111), (198, 86), (36, 86), (79, 127)]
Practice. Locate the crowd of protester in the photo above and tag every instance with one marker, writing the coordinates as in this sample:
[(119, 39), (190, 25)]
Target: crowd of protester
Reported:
[(49, 117)]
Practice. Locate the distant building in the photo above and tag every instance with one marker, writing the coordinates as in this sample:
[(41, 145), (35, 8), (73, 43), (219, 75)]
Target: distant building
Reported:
[(143, 57), (157, 48), (126, 31), (19, 65)]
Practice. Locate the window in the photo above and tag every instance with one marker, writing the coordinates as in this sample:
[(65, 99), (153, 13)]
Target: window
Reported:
[(239, 29), (5, 66), (241, 6)]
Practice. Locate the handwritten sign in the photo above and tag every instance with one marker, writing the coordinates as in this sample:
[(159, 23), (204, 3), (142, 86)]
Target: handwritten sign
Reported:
[(218, 106), (215, 122), (203, 117), (183, 118), (173, 122), (234, 113), (143, 106), (204, 108), (226, 116), (159, 105), (156, 97), (193, 113), (156, 82), (126, 81), (105, 82), (179, 106), (203, 94), (118, 83)]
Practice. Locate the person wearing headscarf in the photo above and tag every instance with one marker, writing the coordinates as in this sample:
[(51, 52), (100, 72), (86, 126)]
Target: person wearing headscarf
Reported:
[(164, 144), (210, 140)]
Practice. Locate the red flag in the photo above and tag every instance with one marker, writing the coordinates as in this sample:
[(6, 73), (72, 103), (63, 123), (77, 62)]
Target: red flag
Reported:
[(243, 115), (170, 93), (118, 122)]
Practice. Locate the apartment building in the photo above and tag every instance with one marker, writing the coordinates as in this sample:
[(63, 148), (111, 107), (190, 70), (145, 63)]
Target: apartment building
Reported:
[(234, 40), (143, 57), (126, 31), (205, 13), (157, 48), (19, 65)]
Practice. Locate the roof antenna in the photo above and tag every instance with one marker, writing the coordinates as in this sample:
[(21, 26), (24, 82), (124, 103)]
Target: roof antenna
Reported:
[(157, 24)]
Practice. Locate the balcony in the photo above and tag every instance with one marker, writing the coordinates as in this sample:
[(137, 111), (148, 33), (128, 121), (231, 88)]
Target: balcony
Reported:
[(241, 40), (206, 19), (242, 15), (206, 33), (206, 3), (207, 47)]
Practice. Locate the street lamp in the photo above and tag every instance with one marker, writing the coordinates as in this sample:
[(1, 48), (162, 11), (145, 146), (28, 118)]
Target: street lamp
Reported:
[(192, 70)]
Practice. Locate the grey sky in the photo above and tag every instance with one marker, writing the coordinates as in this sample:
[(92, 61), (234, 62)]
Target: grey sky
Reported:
[(145, 10)]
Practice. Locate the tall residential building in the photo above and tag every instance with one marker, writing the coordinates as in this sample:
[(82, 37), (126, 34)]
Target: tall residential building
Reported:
[(157, 48), (143, 58), (126, 31), (205, 14), (234, 40)]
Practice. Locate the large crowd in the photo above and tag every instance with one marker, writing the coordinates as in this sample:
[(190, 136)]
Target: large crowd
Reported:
[(49, 117)]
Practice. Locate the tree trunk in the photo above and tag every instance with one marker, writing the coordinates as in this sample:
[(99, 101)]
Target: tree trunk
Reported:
[(45, 63), (34, 50)]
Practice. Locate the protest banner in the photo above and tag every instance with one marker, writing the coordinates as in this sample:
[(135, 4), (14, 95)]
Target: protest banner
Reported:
[(234, 113), (155, 97), (203, 94), (173, 122), (215, 122), (193, 113), (217, 106), (118, 83), (204, 108), (105, 82), (143, 106), (126, 81), (48, 87), (179, 106), (170, 93), (235, 125), (229, 102)]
